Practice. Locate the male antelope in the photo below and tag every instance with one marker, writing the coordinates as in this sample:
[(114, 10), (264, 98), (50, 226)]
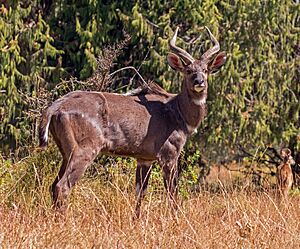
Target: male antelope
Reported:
[(285, 173), (148, 125)]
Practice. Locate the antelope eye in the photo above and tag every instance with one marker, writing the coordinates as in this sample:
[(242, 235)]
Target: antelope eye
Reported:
[(189, 71)]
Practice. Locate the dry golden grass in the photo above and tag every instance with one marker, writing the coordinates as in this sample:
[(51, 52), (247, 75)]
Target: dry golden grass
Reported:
[(100, 216)]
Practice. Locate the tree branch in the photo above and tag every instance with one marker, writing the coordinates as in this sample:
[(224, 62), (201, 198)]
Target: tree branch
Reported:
[(136, 71)]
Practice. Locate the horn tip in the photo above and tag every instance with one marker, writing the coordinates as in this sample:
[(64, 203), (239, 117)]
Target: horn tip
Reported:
[(176, 31), (208, 30), (174, 37)]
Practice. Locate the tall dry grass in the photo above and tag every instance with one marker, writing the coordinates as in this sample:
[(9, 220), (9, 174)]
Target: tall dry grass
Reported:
[(100, 216)]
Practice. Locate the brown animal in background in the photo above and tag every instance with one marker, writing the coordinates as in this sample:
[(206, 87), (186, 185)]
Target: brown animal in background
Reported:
[(285, 173), (149, 125)]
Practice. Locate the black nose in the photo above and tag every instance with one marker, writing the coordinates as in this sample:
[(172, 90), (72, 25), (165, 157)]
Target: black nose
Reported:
[(199, 82)]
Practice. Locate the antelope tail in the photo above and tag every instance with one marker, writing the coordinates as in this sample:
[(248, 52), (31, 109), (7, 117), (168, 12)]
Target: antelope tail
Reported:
[(44, 128)]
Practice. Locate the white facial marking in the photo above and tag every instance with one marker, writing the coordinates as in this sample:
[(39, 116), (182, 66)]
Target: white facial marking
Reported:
[(198, 88), (291, 160)]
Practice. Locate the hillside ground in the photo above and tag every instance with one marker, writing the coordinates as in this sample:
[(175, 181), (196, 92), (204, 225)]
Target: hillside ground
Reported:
[(100, 215)]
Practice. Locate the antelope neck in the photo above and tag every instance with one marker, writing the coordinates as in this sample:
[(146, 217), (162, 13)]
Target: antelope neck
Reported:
[(192, 110)]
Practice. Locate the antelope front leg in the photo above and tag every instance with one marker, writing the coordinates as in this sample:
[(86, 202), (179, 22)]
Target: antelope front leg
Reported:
[(170, 174), (143, 172)]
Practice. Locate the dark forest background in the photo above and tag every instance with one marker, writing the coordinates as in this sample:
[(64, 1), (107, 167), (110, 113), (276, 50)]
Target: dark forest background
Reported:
[(253, 105)]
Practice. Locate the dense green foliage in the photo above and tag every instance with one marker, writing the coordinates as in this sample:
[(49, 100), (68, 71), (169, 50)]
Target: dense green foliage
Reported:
[(253, 101)]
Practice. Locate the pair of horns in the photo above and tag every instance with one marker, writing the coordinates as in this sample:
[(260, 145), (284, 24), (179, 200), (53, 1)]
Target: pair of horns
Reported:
[(187, 58)]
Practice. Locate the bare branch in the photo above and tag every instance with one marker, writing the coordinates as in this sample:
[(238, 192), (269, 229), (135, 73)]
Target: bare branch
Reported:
[(151, 23), (261, 159), (134, 69)]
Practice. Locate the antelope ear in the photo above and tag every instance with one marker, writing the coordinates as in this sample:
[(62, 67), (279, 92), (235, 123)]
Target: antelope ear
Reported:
[(175, 62), (217, 62), (285, 152)]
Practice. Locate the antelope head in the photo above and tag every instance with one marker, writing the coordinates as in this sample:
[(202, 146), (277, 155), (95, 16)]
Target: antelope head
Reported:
[(196, 71), (286, 156)]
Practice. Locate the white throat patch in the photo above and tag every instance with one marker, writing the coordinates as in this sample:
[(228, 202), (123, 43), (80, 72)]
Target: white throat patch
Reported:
[(199, 102), (191, 129)]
